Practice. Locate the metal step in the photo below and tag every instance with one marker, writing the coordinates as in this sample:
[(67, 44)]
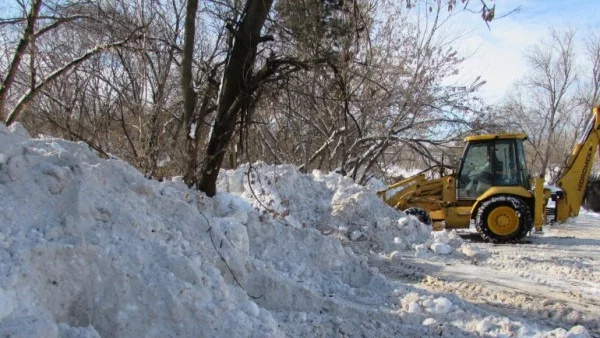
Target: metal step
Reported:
[(550, 214)]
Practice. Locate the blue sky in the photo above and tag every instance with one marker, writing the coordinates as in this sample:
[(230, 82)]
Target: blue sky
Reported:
[(498, 53)]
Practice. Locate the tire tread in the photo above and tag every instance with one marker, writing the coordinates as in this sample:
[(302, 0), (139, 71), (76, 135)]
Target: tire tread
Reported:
[(518, 204)]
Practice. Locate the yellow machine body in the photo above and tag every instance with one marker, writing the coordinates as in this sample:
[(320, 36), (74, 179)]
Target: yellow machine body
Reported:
[(438, 198), (574, 178), (506, 206)]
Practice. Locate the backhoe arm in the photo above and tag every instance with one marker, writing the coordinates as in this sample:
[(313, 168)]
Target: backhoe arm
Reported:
[(574, 178)]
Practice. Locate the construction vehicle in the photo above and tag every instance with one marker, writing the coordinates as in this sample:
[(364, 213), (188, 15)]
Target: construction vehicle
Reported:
[(494, 190)]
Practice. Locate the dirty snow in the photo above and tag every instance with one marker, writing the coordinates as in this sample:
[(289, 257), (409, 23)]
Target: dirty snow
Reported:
[(91, 248)]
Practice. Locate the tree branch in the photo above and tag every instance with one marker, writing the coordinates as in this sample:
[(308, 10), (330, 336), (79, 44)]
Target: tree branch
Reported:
[(31, 93)]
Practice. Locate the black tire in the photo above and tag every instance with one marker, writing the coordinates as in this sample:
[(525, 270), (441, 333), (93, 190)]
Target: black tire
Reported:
[(510, 219), (421, 214)]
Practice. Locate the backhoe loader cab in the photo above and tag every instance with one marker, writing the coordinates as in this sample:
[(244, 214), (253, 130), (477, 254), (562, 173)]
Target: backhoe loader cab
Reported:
[(491, 160), (492, 188)]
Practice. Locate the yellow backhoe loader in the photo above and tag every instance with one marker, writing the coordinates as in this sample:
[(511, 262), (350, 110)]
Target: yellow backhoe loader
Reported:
[(493, 189)]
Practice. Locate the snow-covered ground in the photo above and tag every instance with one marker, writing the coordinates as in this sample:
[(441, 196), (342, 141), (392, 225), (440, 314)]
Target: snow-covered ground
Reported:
[(91, 248)]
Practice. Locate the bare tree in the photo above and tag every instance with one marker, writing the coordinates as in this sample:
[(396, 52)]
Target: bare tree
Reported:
[(543, 102), (39, 75), (236, 85), (591, 75), (334, 85), (26, 40), (378, 90), (195, 118)]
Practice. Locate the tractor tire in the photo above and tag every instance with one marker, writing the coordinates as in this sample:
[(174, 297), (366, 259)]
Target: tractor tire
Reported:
[(421, 214), (504, 219)]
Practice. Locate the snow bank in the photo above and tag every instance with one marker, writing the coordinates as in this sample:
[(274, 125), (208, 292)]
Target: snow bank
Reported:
[(330, 203), (90, 248)]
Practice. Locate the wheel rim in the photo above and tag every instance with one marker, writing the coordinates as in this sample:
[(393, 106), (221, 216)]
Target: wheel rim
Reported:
[(503, 220)]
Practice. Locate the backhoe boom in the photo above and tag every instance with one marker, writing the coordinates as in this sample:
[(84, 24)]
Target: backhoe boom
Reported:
[(574, 178)]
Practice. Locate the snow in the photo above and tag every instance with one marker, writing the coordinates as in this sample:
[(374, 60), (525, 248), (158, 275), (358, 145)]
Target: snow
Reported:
[(192, 131), (91, 248), (469, 250)]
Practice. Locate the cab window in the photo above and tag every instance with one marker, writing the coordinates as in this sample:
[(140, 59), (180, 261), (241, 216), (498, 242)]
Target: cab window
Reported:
[(522, 166), (505, 163), (475, 175)]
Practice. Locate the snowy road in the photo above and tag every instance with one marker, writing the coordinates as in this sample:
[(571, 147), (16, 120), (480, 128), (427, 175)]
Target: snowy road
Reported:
[(550, 279)]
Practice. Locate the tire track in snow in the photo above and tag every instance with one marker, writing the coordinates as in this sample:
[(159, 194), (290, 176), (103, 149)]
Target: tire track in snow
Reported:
[(552, 279)]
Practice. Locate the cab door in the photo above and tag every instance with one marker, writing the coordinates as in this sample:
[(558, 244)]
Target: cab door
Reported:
[(475, 174), (505, 166)]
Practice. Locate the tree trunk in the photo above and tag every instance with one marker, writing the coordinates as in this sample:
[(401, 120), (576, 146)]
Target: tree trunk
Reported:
[(189, 97), (187, 90), (234, 86)]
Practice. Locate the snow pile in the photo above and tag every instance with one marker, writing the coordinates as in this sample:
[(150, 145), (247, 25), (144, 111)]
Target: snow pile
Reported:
[(441, 243), (90, 248), (330, 203)]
